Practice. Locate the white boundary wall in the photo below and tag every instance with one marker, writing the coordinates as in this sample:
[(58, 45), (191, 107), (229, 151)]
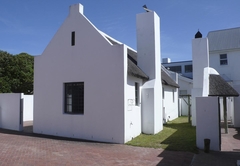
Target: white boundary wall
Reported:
[(10, 111), (207, 113), (28, 108)]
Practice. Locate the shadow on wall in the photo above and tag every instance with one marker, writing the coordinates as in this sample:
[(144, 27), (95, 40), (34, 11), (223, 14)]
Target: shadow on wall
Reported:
[(237, 136)]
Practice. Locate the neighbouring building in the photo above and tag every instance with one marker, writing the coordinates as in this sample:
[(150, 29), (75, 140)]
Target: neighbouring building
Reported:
[(88, 85), (183, 68)]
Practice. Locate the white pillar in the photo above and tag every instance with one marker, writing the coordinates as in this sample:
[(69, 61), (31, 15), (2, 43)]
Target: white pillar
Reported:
[(149, 60), (200, 60)]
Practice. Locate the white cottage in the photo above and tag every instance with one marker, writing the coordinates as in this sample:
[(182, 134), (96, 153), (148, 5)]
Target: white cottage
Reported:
[(88, 85)]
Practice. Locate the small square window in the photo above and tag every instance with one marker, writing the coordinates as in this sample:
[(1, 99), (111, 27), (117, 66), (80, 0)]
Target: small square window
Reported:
[(223, 59), (188, 68)]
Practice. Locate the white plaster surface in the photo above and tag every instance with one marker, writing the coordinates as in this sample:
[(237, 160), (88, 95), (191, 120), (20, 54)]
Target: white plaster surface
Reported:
[(208, 122), (170, 106), (10, 111), (200, 56), (27, 108), (132, 111), (237, 107), (94, 61), (149, 60)]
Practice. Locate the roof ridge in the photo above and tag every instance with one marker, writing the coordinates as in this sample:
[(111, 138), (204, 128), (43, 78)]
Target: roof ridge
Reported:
[(223, 30)]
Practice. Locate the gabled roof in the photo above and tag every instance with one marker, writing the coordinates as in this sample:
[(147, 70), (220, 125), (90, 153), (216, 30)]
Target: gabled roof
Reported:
[(219, 87), (135, 71), (224, 39), (166, 79)]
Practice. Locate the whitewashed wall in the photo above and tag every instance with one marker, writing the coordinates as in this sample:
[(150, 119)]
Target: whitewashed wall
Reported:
[(10, 111), (149, 60), (184, 106), (237, 107), (27, 108), (94, 61), (200, 56), (170, 105), (207, 112), (132, 112), (230, 109), (230, 71)]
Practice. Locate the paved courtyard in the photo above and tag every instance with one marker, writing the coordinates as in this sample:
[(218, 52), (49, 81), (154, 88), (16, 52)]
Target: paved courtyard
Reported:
[(27, 150)]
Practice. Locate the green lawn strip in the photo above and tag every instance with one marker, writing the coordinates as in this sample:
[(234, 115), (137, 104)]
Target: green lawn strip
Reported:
[(176, 135)]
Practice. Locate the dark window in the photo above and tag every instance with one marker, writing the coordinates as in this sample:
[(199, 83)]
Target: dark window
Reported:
[(163, 96), (74, 98), (136, 93), (188, 68), (73, 38), (173, 95), (223, 59), (177, 69)]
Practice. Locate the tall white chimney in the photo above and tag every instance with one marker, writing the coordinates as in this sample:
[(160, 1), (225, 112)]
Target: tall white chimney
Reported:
[(200, 60), (148, 44), (149, 60)]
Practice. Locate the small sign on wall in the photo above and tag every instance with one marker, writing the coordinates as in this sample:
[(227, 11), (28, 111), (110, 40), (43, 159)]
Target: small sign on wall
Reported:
[(130, 104)]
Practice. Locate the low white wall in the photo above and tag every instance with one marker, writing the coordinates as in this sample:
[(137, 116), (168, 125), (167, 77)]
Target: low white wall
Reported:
[(10, 111), (207, 116), (28, 108), (132, 112), (170, 105), (184, 106)]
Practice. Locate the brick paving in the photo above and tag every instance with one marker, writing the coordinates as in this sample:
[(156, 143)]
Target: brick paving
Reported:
[(230, 151), (27, 150)]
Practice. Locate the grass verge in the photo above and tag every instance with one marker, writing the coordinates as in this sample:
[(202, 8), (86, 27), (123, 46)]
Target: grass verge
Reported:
[(177, 135)]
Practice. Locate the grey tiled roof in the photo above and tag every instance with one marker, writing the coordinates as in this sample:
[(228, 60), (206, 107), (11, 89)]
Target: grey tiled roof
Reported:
[(224, 39), (219, 87)]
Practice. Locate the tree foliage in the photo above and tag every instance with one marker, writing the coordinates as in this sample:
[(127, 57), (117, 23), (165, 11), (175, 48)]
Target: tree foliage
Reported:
[(16, 73)]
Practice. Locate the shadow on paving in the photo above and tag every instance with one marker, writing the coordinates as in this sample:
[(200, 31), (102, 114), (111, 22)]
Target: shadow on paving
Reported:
[(183, 139), (237, 136), (176, 158), (28, 131), (216, 158), (181, 145)]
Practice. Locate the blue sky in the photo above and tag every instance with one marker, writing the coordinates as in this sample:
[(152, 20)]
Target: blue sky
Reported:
[(29, 25)]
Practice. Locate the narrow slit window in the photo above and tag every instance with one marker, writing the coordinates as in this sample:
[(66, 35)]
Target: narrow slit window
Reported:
[(73, 38), (136, 93)]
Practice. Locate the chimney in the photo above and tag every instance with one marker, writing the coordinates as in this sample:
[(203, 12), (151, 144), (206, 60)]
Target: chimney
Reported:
[(148, 44), (149, 60), (76, 9), (200, 60)]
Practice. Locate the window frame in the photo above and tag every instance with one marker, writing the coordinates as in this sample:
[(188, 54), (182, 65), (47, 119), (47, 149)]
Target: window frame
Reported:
[(223, 59), (74, 98), (173, 93), (188, 68), (177, 69), (137, 94)]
